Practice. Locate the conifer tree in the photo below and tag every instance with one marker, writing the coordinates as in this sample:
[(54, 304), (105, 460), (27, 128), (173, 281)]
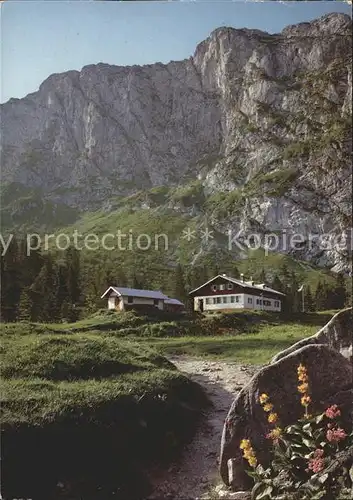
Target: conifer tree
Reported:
[(321, 296), (44, 292), (339, 293), (72, 258), (25, 309), (11, 281), (235, 272), (262, 276), (277, 284), (309, 301), (179, 290)]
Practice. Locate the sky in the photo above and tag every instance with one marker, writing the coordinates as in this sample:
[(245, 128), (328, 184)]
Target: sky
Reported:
[(45, 37)]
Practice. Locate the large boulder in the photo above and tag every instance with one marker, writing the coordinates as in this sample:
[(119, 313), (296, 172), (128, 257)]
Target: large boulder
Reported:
[(337, 334), (330, 375)]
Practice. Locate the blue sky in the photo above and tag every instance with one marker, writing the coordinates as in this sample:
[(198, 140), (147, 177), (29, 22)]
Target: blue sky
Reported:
[(41, 38)]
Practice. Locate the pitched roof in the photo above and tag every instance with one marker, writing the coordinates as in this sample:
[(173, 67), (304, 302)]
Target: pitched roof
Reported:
[(244, 284), (134, 292), (174, 302)]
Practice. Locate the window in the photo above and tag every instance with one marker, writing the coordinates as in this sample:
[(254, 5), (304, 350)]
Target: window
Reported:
[(276, 303), (219, 300), (259, 302), (232, 298), (214, 288), (249, 300), (208, 301), (130, 300), (155, 302), (215, 300), (225, 300), (267, 302), (230, 286), (222, 287), (237, 298)]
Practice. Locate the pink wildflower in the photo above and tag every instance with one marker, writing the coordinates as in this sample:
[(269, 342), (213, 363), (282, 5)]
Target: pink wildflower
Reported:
[(333, 412), (317, 463), (335, 435)]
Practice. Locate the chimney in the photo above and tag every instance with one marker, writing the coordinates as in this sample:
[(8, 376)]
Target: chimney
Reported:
[(242, 277)]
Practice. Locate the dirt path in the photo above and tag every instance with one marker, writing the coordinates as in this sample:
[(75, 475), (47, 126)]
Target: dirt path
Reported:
[(196, 474)]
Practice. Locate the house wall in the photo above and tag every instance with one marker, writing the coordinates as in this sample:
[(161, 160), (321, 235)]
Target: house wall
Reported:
[(114, 302), (240, 301), (143, 301), (111, 302), (244, 294), (259, 303), (222, 302)]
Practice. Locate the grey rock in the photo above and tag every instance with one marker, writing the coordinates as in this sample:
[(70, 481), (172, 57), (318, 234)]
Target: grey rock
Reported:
[(225, 116), (336, 334), (330, 376)]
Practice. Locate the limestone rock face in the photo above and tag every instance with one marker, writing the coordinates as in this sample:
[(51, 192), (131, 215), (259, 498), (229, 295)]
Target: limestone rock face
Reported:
[(267, 116), (330, 376)]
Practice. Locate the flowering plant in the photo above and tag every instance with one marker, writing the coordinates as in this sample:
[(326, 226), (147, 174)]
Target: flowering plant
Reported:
[(312, 459)]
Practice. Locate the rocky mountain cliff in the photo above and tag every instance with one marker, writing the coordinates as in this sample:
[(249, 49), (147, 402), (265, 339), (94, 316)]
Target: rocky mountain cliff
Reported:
[(256, 127)]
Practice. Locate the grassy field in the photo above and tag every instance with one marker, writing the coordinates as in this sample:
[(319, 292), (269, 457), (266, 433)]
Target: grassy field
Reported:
[(89, 412), (88, 405), (253, 348)]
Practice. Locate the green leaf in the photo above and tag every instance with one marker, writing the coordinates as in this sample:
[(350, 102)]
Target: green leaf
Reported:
[(267, 491), (308, 443), (323, 478), (319, 418)]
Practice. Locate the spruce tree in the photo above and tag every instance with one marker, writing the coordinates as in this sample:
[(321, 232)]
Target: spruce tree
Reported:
[(277, 284), (321, 296), (179, 290), (285, 276), (72, 258), (262, 276), (309, 301), (339, 293), (11, 281), (25, 309), (44, 291), (235, 272), (294, 297)]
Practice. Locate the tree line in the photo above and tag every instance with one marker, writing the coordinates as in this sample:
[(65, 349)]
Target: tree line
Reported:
[(64, 286)]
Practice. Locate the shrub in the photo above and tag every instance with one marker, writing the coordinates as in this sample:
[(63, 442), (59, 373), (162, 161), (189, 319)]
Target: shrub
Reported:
[(312, 459)]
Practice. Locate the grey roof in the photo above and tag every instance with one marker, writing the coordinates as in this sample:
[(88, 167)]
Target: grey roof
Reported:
[(134, 292), (174, 302), (244, 284)]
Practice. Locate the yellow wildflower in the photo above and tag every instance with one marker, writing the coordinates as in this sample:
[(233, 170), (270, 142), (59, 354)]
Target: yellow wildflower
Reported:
[(305, 400), (263, 398), (303, 388), (248, 452), (268, 407), (244, 444), (275, 433), (302, 373), (272, 418)]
